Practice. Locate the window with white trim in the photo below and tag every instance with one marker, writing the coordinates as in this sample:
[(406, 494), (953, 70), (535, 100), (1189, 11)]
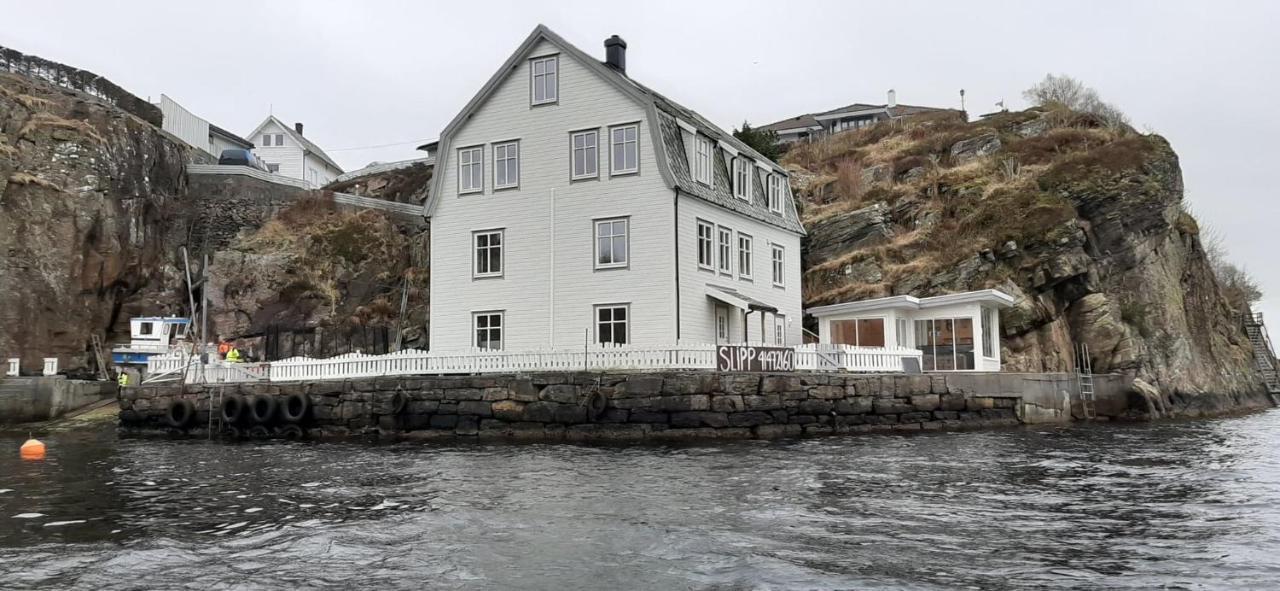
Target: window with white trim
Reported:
[(988, 332), (488, 253), (742, 178), (702, 158), (775, 193), (779, 329), (612, 323), (506, 165), (471, 169), (725, 243), (544, 87), (611, 243), (706, 250), (266, 139), (487, 328), (279, 139), (586, 154), (744, 256), (778, 257), (624, 149)]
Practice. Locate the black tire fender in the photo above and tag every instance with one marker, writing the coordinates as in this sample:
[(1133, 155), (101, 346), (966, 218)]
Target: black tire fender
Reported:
[(292, 432), (180, 414), (295, 408), (399, 402), (262, 409), (232, 409), (259, 432), (596, 404)]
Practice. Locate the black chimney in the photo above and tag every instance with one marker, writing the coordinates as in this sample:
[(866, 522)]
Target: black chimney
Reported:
[(615, 53), (298, 128)]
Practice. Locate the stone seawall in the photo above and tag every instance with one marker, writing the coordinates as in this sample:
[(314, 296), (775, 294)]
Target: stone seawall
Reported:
[(592, 406)]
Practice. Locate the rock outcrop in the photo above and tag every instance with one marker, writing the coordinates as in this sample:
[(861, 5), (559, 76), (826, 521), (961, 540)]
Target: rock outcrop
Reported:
[(1084, 225)]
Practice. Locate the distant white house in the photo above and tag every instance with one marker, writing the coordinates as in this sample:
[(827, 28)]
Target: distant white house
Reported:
[(955, 332), (196, 131), (573, 204), (286, 152)]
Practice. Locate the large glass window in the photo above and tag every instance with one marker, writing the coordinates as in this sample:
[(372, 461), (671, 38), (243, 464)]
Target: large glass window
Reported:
[(471, 169), (586, 156), (725, 243), (624, 145), (545, 88), (947, 343), (988, 332), (861, 332), (612, 324), (488, 330), (706, 250), (506, 165), (488, 253), (611, 243)]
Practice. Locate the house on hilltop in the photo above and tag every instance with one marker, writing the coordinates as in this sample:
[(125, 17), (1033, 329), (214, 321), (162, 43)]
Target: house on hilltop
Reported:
[(286, 152), (855, 116), (573, 204)]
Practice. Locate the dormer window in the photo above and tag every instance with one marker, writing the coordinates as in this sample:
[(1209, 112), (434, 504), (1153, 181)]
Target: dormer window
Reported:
[(544, 87), (775, 193), (742, 178), (702, 160)]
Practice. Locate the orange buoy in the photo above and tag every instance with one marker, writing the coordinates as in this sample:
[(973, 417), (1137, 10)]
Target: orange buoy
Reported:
[(33, 449)]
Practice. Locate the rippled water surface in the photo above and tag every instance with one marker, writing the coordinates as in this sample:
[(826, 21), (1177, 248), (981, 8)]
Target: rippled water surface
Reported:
[(1175, 505)]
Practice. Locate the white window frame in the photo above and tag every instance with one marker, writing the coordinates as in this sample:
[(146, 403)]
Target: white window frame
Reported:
[(504, 162), (742, 169), (626, 242), (594, 149), (745, 256), (613, 322), (703, 157), (536, 79), (476, 257), (501, 329), (266, 139), (464, 169), (724, 250), (779, 329), (624, 144), (778, 259), (987, 322), (775, 192), (707, 245)]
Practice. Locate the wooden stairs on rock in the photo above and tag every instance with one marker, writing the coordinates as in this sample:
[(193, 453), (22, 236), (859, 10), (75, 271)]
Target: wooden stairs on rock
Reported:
[(1263, 354)]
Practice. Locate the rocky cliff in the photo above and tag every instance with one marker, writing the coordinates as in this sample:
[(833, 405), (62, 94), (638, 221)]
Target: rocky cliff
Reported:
[(1085, 225), (88, 198)]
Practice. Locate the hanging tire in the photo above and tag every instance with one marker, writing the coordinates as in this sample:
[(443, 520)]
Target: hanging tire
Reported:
[(292, 433), (596, 404), (295, 408), (262, 409), (232, 432), (399, 402), (180, 414), (259, 432), (233, 409)]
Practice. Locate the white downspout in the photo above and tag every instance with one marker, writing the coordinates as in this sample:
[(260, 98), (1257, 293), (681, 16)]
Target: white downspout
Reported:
[(551, 296)]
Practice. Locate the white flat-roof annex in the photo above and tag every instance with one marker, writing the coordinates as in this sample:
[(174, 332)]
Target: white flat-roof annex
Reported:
[(905, 302)]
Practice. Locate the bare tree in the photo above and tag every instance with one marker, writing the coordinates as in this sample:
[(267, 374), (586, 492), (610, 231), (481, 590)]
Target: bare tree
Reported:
[(1239, 287), (1073, 94)]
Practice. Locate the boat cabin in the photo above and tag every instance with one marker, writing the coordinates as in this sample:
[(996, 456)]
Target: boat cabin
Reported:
[(955, 332), (148, 336)]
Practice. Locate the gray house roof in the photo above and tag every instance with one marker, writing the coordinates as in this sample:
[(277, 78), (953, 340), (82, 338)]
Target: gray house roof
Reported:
[(665, 133)]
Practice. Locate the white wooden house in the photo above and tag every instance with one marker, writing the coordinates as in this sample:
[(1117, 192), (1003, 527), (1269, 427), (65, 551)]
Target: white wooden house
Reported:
[(196, 131), (573, 204), (287, 152), (954, 332)]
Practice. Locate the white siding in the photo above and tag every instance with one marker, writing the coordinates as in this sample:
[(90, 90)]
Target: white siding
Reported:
[(185, 125), (697, 310), (317, 171), (217, 145), (535, 318), (288, 156)]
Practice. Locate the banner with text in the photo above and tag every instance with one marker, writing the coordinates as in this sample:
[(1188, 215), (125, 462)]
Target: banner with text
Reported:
[(748, 358)]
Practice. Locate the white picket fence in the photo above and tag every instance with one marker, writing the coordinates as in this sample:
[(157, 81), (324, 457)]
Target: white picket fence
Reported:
[(475, 361)]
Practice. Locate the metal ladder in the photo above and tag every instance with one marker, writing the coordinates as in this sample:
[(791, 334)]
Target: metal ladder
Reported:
[(1084, 382), (99, 357), (1264, 356)]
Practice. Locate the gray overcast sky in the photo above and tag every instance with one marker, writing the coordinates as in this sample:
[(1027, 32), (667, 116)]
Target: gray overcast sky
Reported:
[(361, 74)]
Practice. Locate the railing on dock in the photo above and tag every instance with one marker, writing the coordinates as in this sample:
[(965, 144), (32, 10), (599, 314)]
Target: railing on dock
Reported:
[(812, 357)]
